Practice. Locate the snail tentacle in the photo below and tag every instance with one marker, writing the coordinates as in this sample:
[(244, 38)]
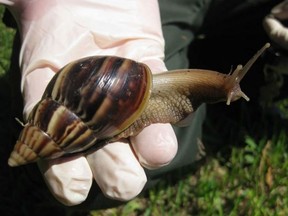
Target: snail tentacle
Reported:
[(235, 92), (235, 78)]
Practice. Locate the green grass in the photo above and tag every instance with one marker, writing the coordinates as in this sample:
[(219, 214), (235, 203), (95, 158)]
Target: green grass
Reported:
[(6, 40), (252, 181), (248, 179)]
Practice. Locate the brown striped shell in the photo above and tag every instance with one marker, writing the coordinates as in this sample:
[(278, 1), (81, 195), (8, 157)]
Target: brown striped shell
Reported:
[(88, 100)]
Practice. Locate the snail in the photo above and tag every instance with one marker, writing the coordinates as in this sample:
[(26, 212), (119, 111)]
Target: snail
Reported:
[(100, 99)]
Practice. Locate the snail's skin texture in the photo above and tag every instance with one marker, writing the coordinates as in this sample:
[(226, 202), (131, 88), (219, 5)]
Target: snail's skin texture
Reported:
[(100, 99)]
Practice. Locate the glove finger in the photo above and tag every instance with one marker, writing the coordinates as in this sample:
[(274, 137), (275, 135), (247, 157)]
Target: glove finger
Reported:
[(69, 180), (276, 31), (117, 171), (155, 146), (280, 11)]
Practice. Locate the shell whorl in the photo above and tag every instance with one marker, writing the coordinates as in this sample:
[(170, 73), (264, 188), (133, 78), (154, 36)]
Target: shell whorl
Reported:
[(107, 93), (52, 131), (88, 100)]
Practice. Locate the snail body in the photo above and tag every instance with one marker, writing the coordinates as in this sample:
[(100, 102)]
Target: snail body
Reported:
[(99, 99)]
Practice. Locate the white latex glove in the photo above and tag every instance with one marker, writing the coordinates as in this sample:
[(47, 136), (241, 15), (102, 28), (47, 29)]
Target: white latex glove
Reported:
[(55, 32), (273, 26)]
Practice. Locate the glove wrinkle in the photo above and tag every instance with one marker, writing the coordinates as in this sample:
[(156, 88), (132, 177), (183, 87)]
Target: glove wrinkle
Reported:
[(68, 180), (155, 146)]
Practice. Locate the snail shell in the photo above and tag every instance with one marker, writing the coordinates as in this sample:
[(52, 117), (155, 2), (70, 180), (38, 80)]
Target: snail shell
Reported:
[(100, 99), (91, 99)]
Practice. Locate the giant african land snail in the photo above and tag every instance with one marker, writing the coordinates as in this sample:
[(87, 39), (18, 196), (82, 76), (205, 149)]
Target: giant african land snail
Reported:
[(99, 99)]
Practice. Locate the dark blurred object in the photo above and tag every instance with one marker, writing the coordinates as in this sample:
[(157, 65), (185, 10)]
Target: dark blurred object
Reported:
[(8, 19), (274, 92)]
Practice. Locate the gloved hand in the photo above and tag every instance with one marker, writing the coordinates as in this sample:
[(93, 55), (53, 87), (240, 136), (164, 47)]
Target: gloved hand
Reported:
[(274, 27), (54, 33)]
